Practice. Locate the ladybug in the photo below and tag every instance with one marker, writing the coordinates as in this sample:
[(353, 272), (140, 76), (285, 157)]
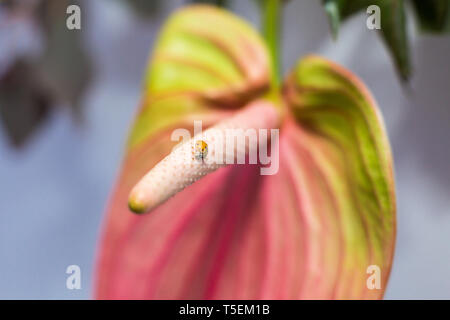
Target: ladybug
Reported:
[(200, 150)]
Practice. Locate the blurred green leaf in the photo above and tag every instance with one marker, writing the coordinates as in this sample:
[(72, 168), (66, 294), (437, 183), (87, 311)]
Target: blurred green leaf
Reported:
[(433, 15), (332, 10), (393, 26)]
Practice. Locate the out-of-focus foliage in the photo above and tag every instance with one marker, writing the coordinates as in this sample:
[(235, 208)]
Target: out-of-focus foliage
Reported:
[(145, 8), (433, 15), (149, 8), (32, 85), (59, 73), (393, 27), (219, 3), (25, 100), (35, 83), (64, 62)]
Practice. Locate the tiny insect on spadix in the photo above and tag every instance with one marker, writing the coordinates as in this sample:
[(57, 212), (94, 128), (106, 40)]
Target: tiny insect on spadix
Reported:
[(200, 150)]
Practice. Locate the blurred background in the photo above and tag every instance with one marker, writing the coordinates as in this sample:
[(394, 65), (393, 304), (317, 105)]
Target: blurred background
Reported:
[(67, 99)]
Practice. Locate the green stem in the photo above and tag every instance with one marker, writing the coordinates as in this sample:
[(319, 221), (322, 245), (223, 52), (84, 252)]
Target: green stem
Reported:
[(271, 31)]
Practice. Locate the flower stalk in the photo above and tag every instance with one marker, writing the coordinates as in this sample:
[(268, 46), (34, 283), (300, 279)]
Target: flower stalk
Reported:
[(271, 31)]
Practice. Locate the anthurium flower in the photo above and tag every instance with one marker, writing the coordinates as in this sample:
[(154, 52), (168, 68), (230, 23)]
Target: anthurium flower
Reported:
[(311, 230)]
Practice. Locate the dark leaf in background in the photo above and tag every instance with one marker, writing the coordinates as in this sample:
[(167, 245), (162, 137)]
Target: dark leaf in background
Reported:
[(393, 26), (32, 86), (393, 29), (64, 64), (145, 8), (433, 15), (25, 101), (8, 3), (219, 3)]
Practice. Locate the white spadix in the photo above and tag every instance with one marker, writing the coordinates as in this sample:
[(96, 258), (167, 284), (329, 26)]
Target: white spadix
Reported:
[(228, 142)]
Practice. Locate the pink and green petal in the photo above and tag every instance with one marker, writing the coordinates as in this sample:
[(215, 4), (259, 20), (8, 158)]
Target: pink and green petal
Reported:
[(343, 130), (309, 231), (197, 72)]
